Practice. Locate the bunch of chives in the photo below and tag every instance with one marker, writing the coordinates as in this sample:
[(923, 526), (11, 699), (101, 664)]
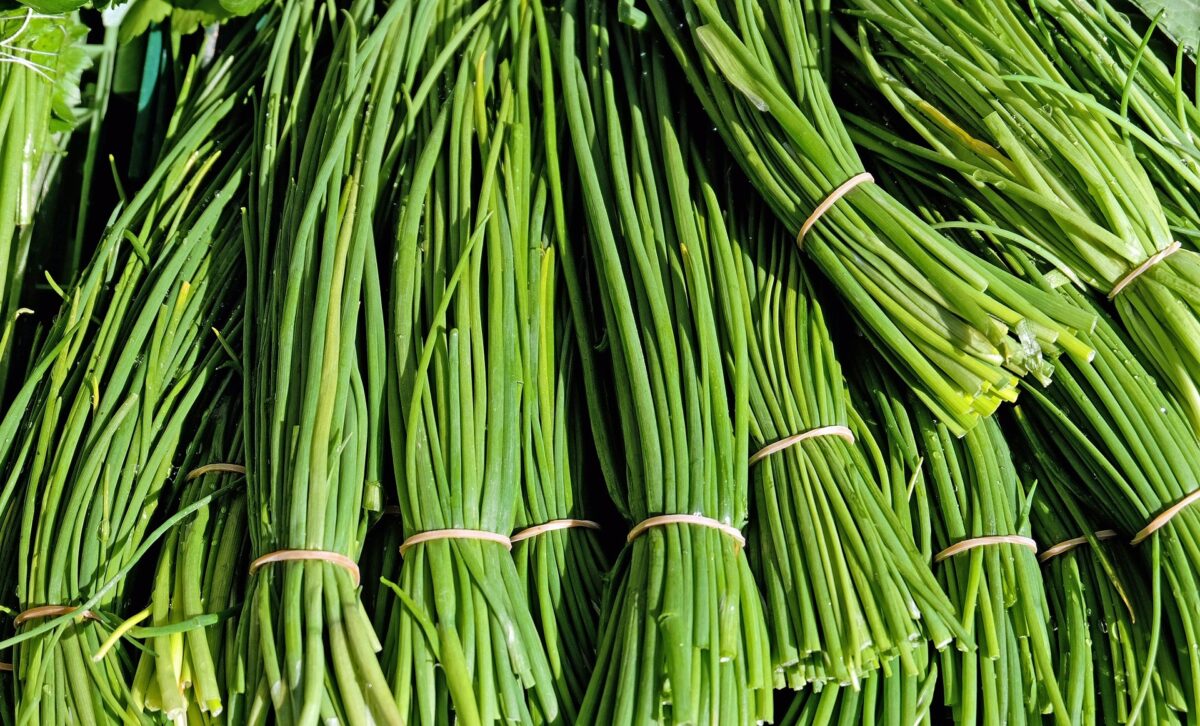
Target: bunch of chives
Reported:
[(149, 289), (683, 638), (962, 489), (1098, 607), (41, 60), (1011, 676), (432, 36), (1132, 454), (92, 437), (197, 583), (846, 589), (563, 567), (959, 330), (1127, 446), (974, 81), (314, 355), (462, 642)]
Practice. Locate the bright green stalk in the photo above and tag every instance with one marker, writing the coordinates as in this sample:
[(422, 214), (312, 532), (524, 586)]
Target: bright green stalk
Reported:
[(960, 331), (683, 636)]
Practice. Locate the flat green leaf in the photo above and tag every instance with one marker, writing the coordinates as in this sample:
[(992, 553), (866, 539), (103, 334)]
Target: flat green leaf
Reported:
[(142, 14), (1180, 20)]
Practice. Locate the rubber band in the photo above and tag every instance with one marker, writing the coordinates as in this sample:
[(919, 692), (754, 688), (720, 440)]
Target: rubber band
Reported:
[(970, 544), (210, 468), (455, 533), (1136, 272), (1069, 544), (699, 520), (791, 441), (1167, 514), (845, 188), (333, 558), (6, 667), (551, 526), (50, 611)]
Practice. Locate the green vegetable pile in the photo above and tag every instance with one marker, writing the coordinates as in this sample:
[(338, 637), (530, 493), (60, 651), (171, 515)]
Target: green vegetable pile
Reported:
[(599, 362)]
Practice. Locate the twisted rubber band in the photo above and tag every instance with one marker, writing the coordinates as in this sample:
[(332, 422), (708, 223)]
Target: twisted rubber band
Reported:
[(1136, 272), (210, 468), (970, 544), (1166, 516), (454, 533), (791, 441), (333, 558), (50, 611), (699, 520), (842, 190), (551, 526), (1069, 544)]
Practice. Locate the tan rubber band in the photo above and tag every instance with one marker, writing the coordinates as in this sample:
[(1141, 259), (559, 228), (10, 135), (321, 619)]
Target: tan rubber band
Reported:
[(791, 441), (333, 558), (6, 667), (50, 611), (454, 533), (1167, 514), (1136, 272), (970, 544), (701, 521), (1070, 544), (845, 188), (210, 468), (551, 526)]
